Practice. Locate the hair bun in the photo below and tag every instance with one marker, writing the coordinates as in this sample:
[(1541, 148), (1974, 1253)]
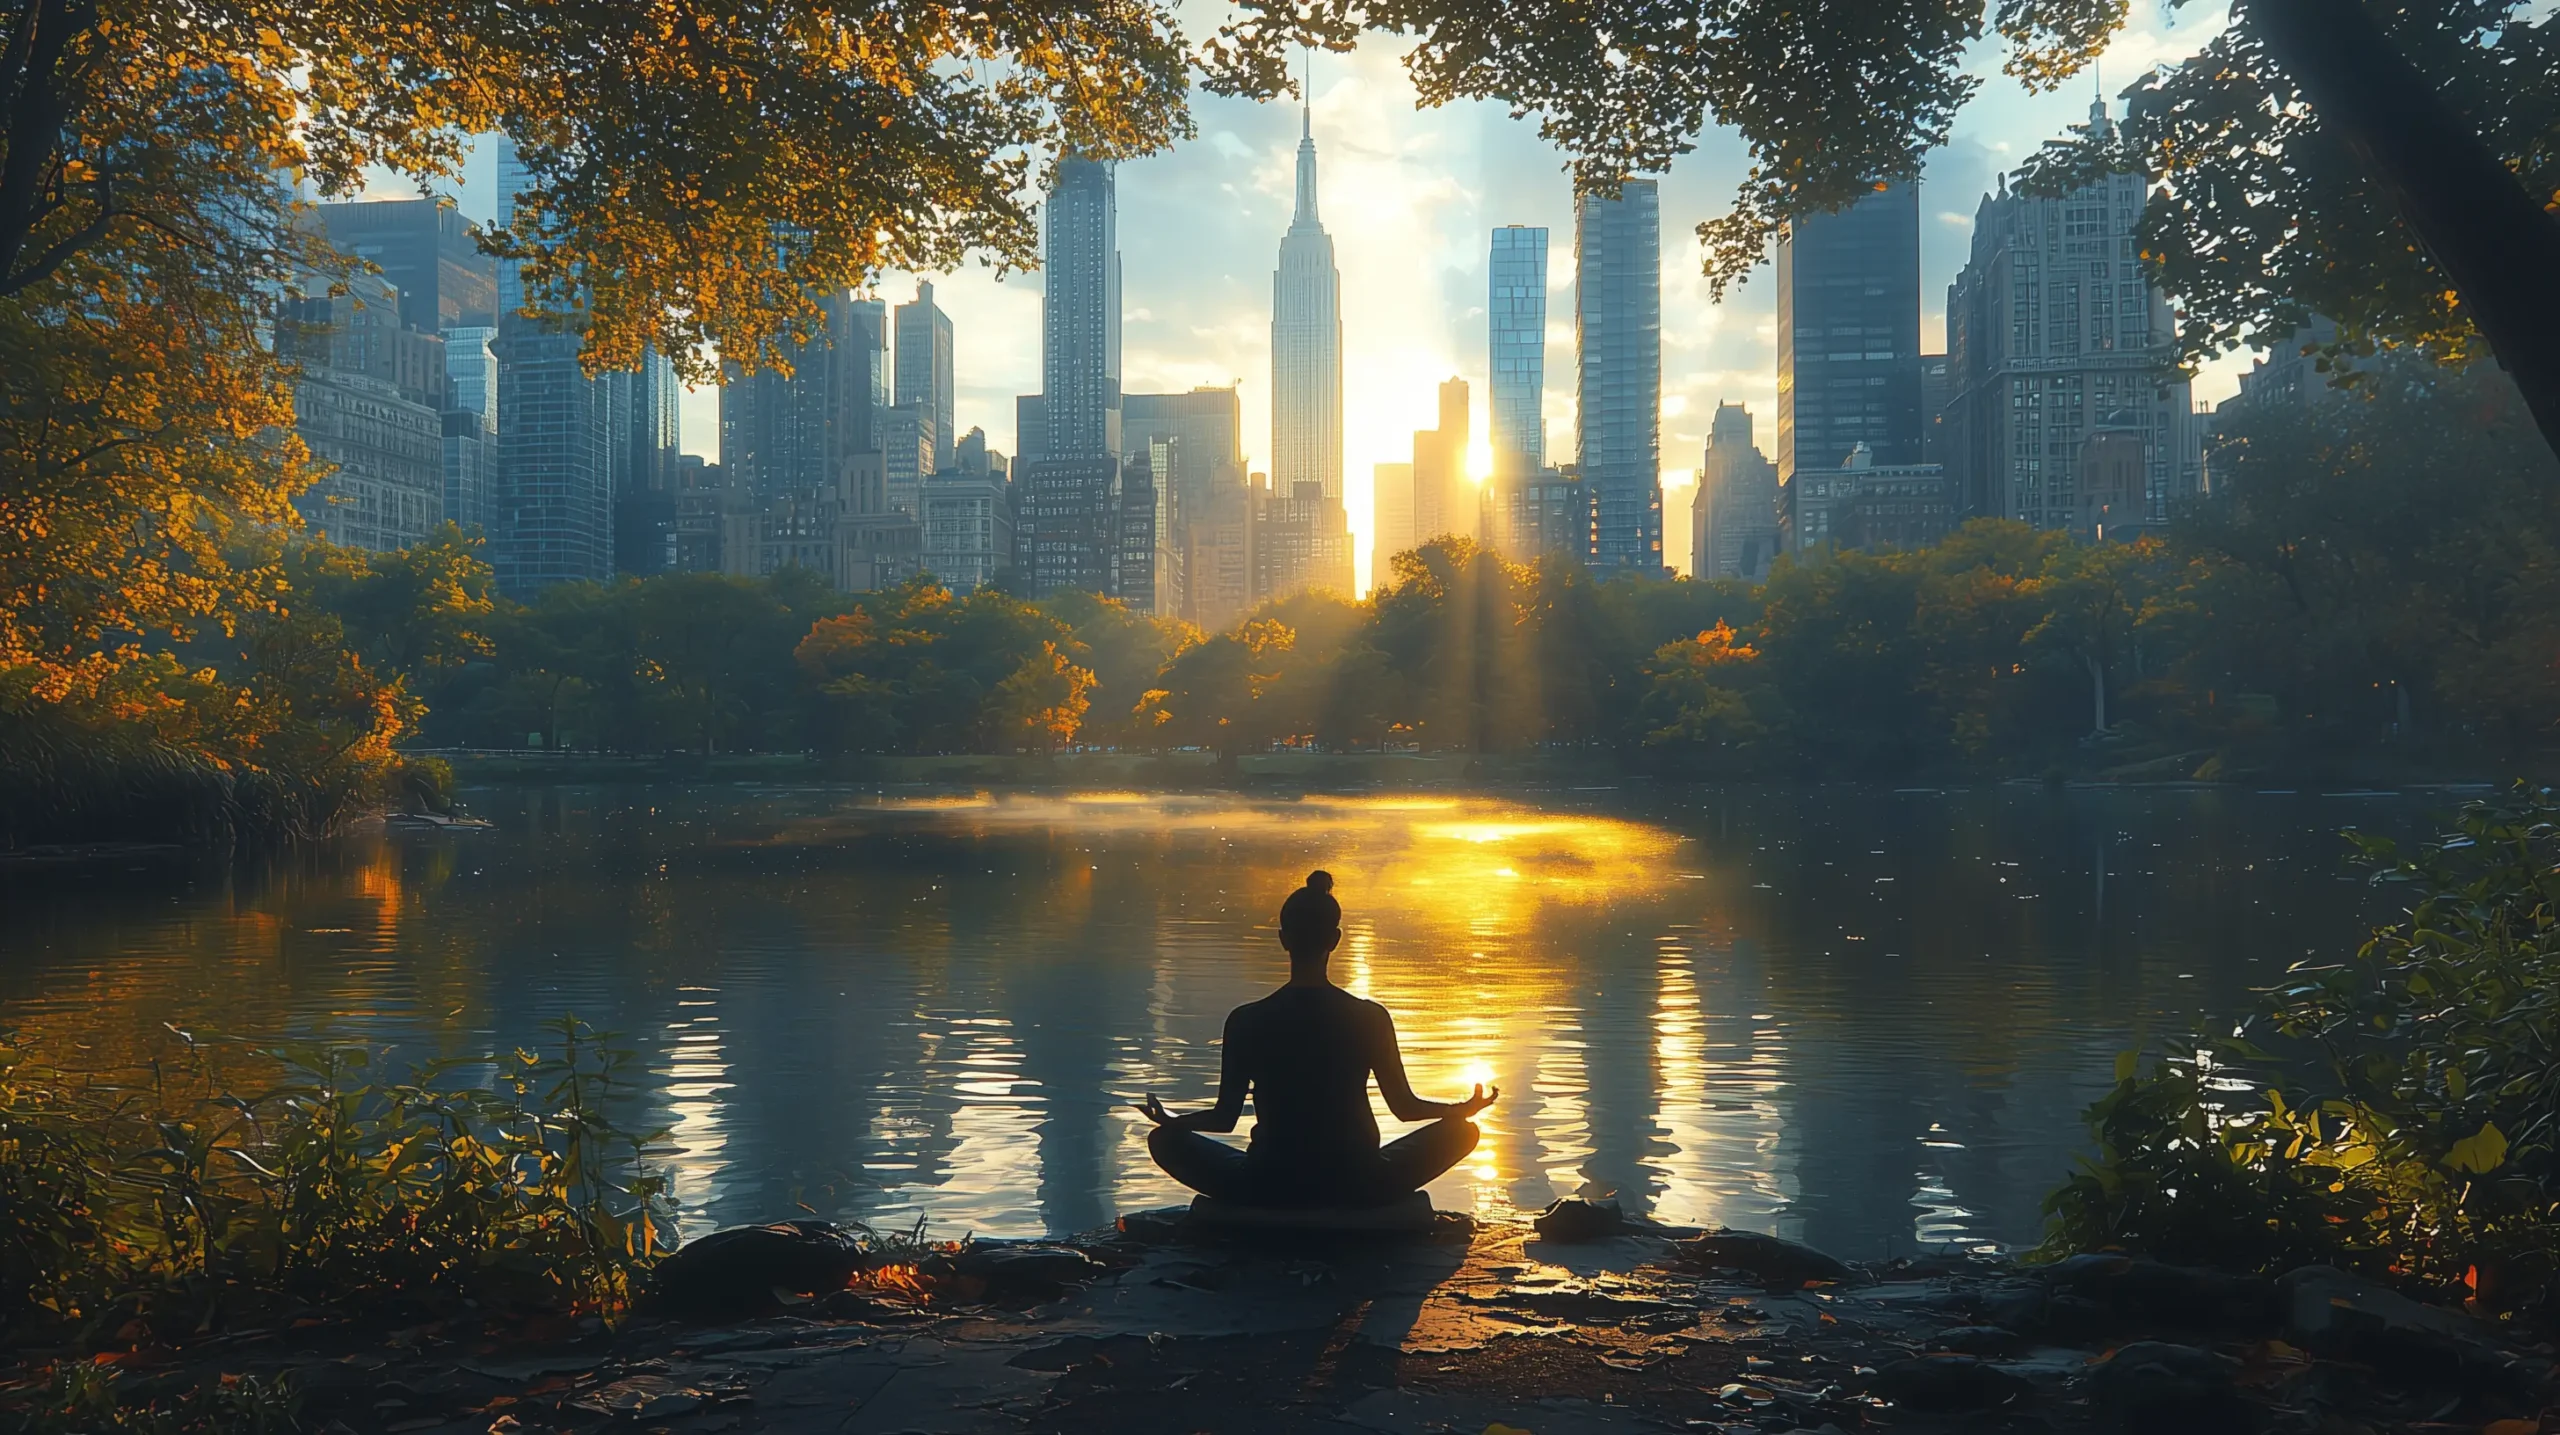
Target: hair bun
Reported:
[(1319, 881)]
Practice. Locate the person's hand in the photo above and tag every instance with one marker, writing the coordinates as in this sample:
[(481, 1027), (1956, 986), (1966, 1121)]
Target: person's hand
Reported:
[(1153, 1110), (1483, 1097)]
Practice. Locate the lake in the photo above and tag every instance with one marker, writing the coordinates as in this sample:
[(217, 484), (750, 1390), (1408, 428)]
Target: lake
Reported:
[(1867, 1019)]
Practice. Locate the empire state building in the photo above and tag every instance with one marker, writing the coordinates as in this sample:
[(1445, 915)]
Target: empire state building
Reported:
[(1306, 345), (1305, 499)]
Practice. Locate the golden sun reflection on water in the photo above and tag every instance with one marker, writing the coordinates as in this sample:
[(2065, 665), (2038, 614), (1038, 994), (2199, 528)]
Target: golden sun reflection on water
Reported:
[(1464, 915), (1406, 852)]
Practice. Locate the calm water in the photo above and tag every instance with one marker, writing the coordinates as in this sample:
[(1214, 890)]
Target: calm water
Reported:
[(1860, 1018)]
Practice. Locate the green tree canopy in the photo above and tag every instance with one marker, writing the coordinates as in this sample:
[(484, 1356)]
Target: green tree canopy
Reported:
[(917, 669)]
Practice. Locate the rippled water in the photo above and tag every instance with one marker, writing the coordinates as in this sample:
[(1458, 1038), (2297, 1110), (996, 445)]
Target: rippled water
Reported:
[(1862, 1018)]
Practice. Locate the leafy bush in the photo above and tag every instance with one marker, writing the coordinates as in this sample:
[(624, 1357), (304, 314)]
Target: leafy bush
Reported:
[(2400, 1115), (148, 1207), (2181, 1175), (83, 1399)]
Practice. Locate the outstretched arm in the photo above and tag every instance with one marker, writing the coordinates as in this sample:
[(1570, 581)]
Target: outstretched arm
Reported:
[(1233, 1078), (1388, 1061)]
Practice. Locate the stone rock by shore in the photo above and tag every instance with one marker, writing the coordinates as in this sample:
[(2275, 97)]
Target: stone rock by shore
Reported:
[(1144, 1330)]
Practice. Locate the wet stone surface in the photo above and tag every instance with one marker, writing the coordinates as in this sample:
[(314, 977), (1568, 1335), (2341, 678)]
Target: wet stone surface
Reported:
[(1476, 1326)]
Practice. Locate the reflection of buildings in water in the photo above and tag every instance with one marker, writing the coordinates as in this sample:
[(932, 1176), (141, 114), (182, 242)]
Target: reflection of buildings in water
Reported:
[(809, 1042), (1686, 1116), (928, 1010), (693, 1097), (1932, 1075), (1745, 1165), (1860, 1021), (770, 1092), (993, 1117), (1620, 998), (1072, 997)]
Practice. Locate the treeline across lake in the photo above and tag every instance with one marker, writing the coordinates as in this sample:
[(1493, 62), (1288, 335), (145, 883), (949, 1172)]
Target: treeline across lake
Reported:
[(2375, 575)]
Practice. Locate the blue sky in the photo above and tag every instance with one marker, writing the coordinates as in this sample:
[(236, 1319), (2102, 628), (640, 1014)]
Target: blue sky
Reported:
[(1409, 197)]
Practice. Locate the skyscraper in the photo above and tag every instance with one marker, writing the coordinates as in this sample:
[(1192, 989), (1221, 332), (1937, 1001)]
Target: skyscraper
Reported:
[(1207, 422), (555, 493), (1734, 517), (365, 399), (1080, 312), (1298, 541), (906, 444), (471, 372), (553, 511), (1195, 454), (513, 179), (863, 366), (924, 379), (471, 427), (425, 250), (1299, 536), (1391, 529), (1849, 338), (1070, 530), (2053, 335), (430, 340), (967, 516), (795, 434), (1516, 347), (1306, 344), (805, 478), (1444, 503), (1617, 313), (645, 441), (1030, 429)]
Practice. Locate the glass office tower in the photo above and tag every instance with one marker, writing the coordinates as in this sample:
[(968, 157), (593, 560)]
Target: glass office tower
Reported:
[(1516, 345), (1617, 303)]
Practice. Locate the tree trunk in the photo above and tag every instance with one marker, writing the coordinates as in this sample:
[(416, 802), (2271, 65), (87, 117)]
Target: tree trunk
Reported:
[(2097, 695), (2496, 243)]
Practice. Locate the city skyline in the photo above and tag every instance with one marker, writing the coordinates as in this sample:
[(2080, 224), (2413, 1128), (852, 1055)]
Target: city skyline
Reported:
[(1410, 197)]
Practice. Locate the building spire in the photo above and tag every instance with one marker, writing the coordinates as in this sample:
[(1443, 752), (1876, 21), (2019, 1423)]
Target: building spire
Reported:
[(1306, 147)]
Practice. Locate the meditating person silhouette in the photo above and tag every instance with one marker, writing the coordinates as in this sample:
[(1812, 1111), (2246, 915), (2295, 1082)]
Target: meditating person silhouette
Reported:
[(1306, 1053)]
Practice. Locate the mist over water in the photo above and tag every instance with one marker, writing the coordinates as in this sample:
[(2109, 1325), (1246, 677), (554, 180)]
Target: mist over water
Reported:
[(1862, 1018)]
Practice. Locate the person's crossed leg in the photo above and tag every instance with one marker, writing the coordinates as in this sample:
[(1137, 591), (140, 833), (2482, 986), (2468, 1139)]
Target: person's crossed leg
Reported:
[(1401, 1167)]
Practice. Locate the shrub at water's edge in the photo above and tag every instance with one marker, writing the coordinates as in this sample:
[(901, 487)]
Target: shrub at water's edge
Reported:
[(2396, 1112), (147, 1205)]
